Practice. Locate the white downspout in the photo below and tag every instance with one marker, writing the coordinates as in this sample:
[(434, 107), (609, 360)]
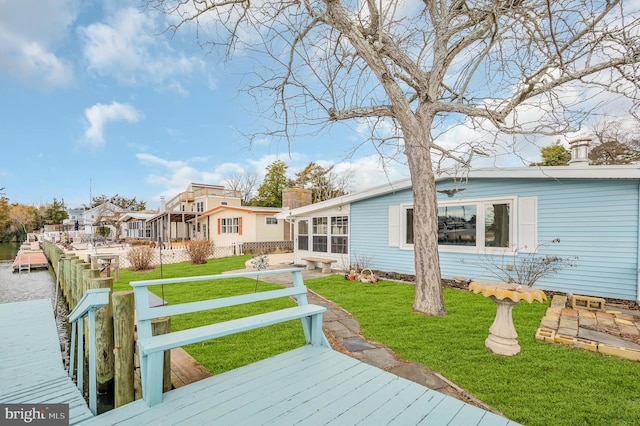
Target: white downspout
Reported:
[(638, 251)]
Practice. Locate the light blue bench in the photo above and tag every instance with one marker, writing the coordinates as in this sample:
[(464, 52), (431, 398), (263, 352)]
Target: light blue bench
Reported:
[(151, 348)]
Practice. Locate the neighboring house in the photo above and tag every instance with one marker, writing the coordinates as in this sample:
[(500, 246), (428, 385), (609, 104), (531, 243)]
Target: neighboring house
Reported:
[(106, 214), (493, 215), (75, 221), (134, 224), (172, 223), (231, 224)]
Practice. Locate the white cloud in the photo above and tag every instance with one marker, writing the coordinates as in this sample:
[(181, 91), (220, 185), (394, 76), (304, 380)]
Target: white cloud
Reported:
[(128, 47), (99, 115), (29, 32)]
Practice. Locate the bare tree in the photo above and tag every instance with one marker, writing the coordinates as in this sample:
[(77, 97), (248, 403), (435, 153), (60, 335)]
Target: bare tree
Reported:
[(413, 70), (615, 141), (245, 183)]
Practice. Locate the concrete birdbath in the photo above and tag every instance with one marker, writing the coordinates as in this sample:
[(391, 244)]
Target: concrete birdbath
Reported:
[(503, 338)]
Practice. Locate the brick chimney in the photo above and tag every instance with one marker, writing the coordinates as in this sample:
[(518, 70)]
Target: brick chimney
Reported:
[(295, 197)]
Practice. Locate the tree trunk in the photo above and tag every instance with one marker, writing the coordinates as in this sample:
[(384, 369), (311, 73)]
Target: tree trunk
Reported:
[(428, 298)]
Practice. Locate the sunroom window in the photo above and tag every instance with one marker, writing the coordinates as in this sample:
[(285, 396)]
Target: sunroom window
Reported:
[(320, 229)]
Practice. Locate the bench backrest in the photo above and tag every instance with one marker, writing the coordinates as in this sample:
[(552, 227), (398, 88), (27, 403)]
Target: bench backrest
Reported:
[(146, 313)]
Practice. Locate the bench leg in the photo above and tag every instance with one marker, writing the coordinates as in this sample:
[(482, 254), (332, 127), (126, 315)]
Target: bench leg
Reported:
[(312, 327), (311, 265), (151, 377), (326, 268)]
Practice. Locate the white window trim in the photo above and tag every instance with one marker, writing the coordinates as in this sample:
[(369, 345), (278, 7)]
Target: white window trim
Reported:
[(479, 247), (403, 227), (266, 221)]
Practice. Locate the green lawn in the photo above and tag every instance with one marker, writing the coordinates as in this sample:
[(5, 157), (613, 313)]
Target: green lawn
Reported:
[(546, 384), (228, 352)]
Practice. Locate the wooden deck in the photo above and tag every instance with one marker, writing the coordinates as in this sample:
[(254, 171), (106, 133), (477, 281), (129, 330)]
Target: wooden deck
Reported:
[(30, 259), (309, 385), (31, 368)]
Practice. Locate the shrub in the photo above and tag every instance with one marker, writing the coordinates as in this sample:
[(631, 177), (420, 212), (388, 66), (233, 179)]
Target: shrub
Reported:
[(139, 257), (199, 251), (526, 268)]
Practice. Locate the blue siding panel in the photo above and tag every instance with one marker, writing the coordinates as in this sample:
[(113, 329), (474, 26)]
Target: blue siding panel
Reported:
[(595, 220)]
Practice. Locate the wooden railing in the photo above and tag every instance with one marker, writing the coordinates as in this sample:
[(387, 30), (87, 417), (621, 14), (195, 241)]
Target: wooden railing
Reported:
[(86, 308)]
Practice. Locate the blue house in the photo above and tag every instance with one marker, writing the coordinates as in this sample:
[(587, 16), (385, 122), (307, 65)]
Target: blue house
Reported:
[(493, 217)]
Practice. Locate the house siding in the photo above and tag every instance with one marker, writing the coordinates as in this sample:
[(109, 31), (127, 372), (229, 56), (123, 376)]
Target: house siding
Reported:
[(595, 220)]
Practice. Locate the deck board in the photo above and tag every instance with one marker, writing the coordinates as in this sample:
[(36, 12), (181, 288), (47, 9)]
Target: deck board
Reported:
[(31, 368), (309, 385)]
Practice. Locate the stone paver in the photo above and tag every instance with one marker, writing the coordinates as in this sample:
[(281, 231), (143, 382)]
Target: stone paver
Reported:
[(606, 331)]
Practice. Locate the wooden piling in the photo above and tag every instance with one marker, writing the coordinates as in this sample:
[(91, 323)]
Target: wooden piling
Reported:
[(104, 334), (124, 329), (163, 326)]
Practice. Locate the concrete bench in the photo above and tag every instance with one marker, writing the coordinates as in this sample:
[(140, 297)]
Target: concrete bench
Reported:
[(326, 263), (151, 348)]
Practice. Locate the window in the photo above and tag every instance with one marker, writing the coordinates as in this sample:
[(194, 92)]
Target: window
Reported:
[(408, 235), (303, 235), (457, 225), (319, 231), (229, 225), (200, 206), (477, 224), (271, 220), (339, 232)]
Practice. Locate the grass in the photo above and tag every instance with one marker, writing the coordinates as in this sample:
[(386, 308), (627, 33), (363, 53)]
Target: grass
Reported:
[(545, 384), (228, 352)]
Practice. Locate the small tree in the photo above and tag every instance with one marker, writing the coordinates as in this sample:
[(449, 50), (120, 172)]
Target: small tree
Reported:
[(199, 251)]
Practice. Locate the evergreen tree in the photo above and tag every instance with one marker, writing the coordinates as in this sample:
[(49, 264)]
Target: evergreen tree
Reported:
[(56, 212), (270, 192), (554, 155)]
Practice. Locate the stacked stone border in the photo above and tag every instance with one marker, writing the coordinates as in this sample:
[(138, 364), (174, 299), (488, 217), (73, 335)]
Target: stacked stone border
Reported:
[(560, 325)]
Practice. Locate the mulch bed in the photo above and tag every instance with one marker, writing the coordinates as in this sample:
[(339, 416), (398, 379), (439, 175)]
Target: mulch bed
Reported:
[(463, 284)]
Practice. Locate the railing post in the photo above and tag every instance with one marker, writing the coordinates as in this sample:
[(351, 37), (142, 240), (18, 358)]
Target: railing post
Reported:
[(87, 307)]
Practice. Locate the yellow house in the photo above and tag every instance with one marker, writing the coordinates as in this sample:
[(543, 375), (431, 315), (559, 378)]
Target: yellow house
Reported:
[(239, 224)]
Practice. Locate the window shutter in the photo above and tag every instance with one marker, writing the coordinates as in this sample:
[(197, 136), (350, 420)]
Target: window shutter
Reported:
[(239, 226), (394, 226), (219, 226), (527, 224)]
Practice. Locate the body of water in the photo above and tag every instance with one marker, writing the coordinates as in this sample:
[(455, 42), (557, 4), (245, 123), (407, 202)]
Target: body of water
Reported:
[(8, 251)]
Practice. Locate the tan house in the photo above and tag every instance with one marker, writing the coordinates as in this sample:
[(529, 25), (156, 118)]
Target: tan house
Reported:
[(236, 224), (173, 223)]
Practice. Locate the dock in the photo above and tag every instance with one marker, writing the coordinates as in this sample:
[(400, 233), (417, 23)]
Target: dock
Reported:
[(30, 258), (309, 385), (32, 369)]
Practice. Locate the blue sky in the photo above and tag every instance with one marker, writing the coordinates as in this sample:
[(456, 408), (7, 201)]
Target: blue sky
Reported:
[(95, 102), (97, 99)]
